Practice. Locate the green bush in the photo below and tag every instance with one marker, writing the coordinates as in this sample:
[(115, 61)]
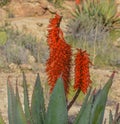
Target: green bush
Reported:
[(3, 38), (16, 47), (15, 54), (57, 3), (4, 2), (98, 51), (94, 20)]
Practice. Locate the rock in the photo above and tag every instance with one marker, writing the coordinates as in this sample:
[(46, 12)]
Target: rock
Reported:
[(25, 9), (51, 9), (26, 67), (44, 3), (3, 14), (117, 43), (13, 66), (31, 59), (28, 8)]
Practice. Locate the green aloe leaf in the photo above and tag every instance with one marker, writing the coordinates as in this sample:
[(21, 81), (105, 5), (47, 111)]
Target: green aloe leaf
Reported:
[(83, 108), (57, 108), (15, 111), (26, 101), (85, 117), (11, 104), (92, 111), (118, 121), (37, 105), (20, 116), (112, 10), (98, 108), (1, 119)]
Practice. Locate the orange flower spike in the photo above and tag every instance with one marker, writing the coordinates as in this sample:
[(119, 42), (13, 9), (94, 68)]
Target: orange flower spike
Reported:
[(82, 76), (77, 2), (58, 63), (60, 66), (53, 30)]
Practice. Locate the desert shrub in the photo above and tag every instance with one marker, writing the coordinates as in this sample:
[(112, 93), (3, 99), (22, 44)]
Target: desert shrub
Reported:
[(14, 49), (15, 54), (93, 27), (19, 46), (94, 20), (102, 53), (57, 3), (3, 37), (10, 13), (3, 63), (4, 2)]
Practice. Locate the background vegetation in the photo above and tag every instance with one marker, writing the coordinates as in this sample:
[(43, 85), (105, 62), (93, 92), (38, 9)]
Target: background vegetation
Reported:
[(4, 2), (17, 47), (95, 27)]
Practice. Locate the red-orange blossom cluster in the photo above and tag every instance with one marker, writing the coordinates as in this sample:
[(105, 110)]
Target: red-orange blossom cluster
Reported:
[(82, 76), (77, 1), (59, 61)]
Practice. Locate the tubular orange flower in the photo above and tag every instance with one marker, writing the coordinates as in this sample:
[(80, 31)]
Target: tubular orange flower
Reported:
[(77, 2), (58, 63), (53, 30), (82, 76)]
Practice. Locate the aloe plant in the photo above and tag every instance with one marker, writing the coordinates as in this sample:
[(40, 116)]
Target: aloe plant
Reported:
[(91, 112)]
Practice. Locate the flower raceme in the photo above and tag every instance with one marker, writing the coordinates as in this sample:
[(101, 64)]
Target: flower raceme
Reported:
[(53, 31), (82, 76), (59, 61), (77, 2)]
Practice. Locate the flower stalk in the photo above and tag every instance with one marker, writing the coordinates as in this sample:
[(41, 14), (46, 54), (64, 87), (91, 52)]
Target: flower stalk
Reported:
[(73, 99)]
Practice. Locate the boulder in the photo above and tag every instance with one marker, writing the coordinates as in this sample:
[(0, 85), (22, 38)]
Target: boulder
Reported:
[(13, 66), (31, 59), (3, 14), (22, 8), (26, 67), (117, 43)]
